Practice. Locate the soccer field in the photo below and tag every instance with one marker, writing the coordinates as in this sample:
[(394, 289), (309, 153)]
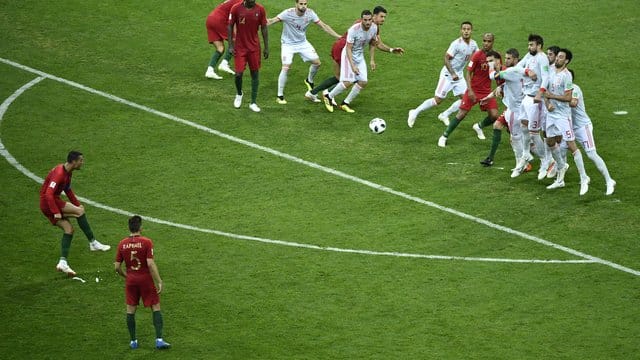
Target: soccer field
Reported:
[(298, 233)]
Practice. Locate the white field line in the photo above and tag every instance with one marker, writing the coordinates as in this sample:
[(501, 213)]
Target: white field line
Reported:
[(589, 258)]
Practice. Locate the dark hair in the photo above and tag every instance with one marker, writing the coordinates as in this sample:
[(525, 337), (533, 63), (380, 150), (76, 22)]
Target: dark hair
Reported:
[(73, 156), (568, 54), (537, 38), (554, 49), (379, 9), (365, 12), (495, 54), (135, 222), (573, 75), (466, 23), (513, 52)]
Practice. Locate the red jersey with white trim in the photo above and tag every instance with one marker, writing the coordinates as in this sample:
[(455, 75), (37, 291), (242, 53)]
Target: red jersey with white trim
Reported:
[(134, 252), (479, 72), (57, 181), (247, 22)]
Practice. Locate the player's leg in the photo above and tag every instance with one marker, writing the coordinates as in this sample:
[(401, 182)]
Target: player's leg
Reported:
[(224, 64), (65, 246), (308, 54), (459, 88), (498, 125), (443, 88), (215, 38), (553, 139), (286, 54), (240, 60), (362, 79), (151, 299), (565, 127), (465, 106), (131, 326)]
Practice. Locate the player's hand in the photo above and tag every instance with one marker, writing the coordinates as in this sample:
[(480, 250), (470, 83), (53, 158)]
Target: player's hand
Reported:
[(455, 77), (573, 103), (265, 53), (472, 95), (373, 65), (537, 98), (499, 91), (550, 107), (232, 50), (159, 287), (399, 51)]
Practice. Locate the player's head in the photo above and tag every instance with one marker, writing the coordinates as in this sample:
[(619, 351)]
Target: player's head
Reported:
[(465, 29), (249, 3), (75, 159), (535, 43), (495, 58), (487, 41), (301, 6), (511, 57), (135, 224), (552, 52), (563, 58), (367, 19), (379, 15)]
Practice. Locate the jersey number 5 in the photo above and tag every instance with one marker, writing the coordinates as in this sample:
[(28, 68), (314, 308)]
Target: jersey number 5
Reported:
[(136, 261)]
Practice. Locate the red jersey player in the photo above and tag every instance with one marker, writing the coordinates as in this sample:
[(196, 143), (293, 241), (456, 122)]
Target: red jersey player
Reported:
[(247, 17), (59, 211), (479, 86), (136, 251), (217, 33)]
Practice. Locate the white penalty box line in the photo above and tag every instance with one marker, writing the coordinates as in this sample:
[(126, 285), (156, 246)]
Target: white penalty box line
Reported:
[(588, 258)]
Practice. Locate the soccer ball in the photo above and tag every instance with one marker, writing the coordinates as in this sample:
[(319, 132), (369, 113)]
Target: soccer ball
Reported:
[(377, 125)]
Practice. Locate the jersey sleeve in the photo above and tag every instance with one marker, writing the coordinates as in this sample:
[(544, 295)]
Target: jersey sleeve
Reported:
[(451, 51), (119, 257), (473, 63), (263, 17), (149, 247), (544, 68), (314, 17), (72, 196)]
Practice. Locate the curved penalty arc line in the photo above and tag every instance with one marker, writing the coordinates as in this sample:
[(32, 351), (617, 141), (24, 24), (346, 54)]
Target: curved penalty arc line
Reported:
[(587, 258)]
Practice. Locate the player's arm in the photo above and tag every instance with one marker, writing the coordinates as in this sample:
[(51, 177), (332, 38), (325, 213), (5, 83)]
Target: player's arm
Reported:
[(155, 274), (49, 194), (72, 196), (118, 268), (328, 29), (273, 21), (544, 76), (467, 77), (566, 97), (386, 48), (230, 38), (265, 39), (447, 64), (372, 54), (349, 49)]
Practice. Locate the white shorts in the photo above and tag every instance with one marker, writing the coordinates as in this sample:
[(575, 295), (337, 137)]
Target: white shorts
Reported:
[(559, 126), (535, 113), (513, 123), (584, 136), (347, 74), (305, 49), (446, 84)]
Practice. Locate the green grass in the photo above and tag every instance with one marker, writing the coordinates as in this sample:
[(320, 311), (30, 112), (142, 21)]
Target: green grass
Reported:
[(231, 298)]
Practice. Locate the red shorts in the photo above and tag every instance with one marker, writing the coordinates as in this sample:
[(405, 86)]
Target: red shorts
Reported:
[(47, 213), (336, 49), (244, 57), (216, 28), (467, 104), (145, 289)]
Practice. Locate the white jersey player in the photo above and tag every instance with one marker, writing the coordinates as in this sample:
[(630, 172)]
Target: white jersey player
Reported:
[(296, 20), (353, 69), (533, 112), (451, 76), (558, 126), (583, 129)]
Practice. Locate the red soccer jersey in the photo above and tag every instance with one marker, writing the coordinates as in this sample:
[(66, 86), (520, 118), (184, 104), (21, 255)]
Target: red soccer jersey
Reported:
[(134, 251), (57, 181), (222, 11), (479, 70), (247, 22)]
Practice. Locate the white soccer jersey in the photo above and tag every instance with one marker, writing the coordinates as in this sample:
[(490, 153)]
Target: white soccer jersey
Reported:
[(460, 53), (559, 84), (294, 30), (359, 38), (579, 113), (512, 90), (539, 64)]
